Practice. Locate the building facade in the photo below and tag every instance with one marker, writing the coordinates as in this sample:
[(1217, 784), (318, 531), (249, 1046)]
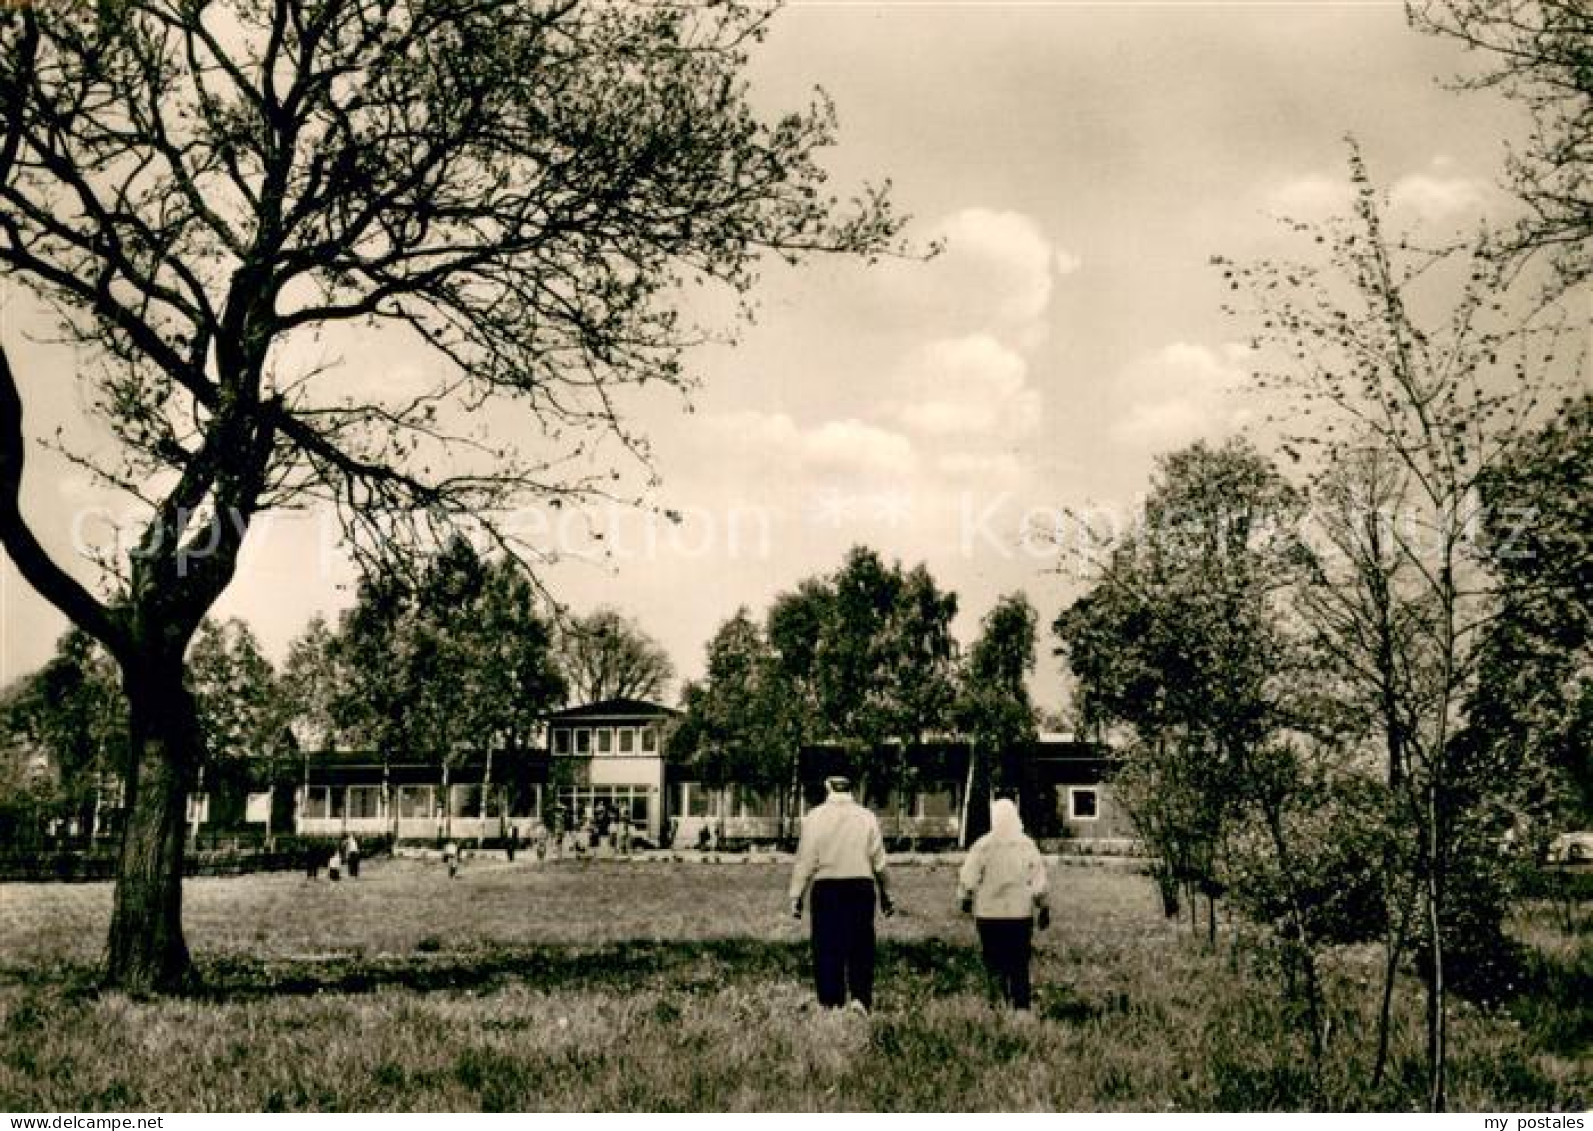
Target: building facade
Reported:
[(471, 797), (609, 757), (1062, 785), (610, 754)]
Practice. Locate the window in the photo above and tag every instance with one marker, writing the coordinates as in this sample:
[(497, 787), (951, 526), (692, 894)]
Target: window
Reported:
[(415, 802), (464, 800), (937, 804), (605, 740), (697, 800), (627, 740), (649, 739), (755, 803), (582, 802), (583, 741), (1082, 804), (364, 802), (561, 740), (316, 805)]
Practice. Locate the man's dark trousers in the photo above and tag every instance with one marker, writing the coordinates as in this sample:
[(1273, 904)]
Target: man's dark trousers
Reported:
[(843, 941)]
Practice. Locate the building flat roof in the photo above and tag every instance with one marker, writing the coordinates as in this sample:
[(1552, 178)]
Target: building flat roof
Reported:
[(607, 709)]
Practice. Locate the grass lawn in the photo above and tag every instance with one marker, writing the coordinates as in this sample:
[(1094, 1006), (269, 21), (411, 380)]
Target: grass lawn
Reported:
[(648, 986)]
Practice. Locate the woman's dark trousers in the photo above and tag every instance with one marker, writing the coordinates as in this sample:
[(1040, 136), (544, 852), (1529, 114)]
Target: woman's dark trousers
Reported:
[(1006, 944)]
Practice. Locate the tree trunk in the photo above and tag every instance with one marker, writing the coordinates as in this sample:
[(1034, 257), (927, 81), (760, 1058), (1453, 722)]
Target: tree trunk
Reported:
[(195, 802), (481, 809), (146, 952), (967, 797), (1301, 943), (1395, 946), (447, 825), (1437, 1011)]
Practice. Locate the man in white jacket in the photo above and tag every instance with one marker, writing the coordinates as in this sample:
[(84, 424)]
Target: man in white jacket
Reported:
[(840, 861), (1003, 883)]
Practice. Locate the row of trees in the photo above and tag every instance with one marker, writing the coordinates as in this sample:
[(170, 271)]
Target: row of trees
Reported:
[(1355, 701), (864, 659), (64, 727), (456, 660)]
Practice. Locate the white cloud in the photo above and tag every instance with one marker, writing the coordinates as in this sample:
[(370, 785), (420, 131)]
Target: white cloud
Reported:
[(1311, 198), (996, 275), (836, 448), (1005, 259), (1433, 199), (971, 387), (994, 471), (1181, 393), (1414, 200), (841, 446)]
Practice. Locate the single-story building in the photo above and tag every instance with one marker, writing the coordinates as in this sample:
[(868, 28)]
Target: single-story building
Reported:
[(610, 757)]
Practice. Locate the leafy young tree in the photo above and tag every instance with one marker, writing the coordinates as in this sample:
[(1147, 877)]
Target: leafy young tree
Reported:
[(864, 658), (1237, 768), (852, 687), (239, 705), (1408, 366), (918, 658), (234, 688), (794, 626), (734, 727), (1539, 53), (1181, 641), (518, 191), (311, 680), (1533, 704), (993, 709), (73, 710), (510, 670), (455, 660), (608, 655)]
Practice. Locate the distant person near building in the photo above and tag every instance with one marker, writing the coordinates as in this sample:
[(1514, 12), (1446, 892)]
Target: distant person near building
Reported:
[(1003, 884), (840, 864), (351, 856)]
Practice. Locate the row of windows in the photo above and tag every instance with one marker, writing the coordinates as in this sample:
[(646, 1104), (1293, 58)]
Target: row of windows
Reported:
[(415, 802), (581, 803), (605, 740), (693, 799)]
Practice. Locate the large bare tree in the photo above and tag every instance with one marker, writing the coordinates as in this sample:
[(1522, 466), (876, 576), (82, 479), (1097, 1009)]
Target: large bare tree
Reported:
[(519, 190), (608, 655)]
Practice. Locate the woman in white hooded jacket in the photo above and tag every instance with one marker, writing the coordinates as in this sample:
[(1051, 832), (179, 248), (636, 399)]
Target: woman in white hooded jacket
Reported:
[(1003, 884)]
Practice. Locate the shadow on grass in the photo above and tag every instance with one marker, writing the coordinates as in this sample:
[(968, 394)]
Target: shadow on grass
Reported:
[(932, 967), (1551, 1000), (913, 971)]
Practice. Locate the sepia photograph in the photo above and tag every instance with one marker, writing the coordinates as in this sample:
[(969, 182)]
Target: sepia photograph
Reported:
[(736, 556)]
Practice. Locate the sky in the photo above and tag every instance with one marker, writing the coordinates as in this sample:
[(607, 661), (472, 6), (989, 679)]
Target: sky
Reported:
[(1082, 163)]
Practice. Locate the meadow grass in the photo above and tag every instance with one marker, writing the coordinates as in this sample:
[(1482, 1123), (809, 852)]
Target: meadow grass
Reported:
[(667, 986)]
